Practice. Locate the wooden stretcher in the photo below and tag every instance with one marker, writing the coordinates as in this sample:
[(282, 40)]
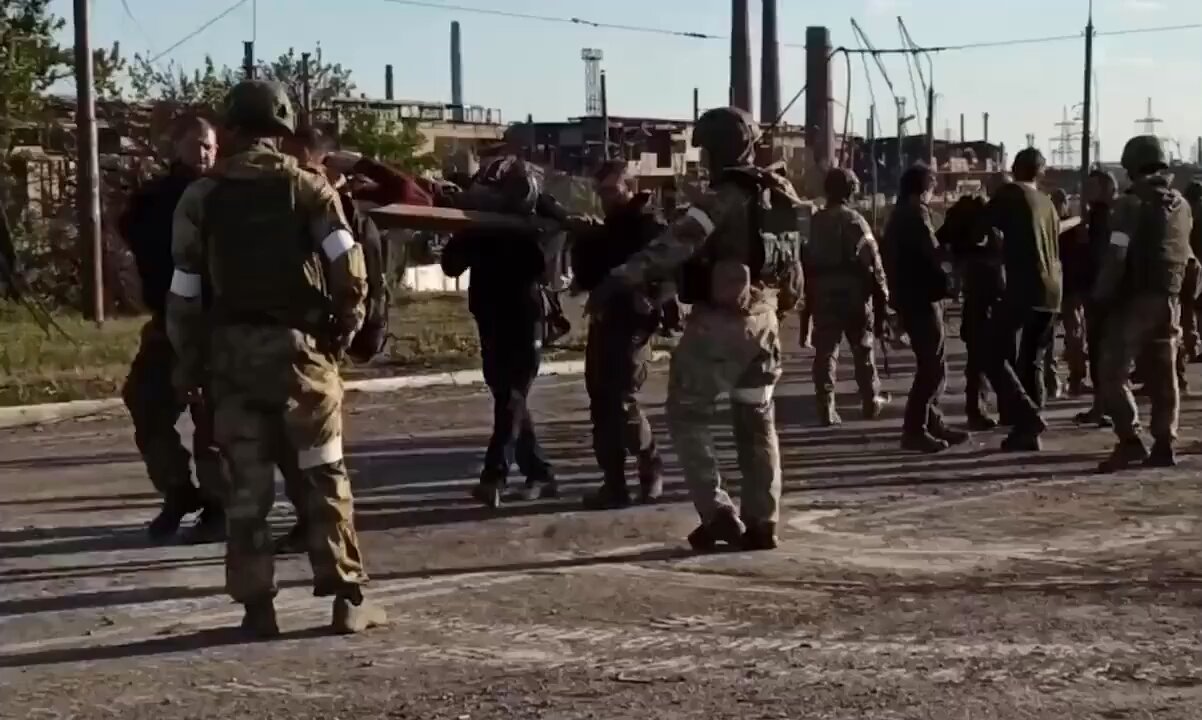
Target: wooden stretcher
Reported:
[(449, 220)]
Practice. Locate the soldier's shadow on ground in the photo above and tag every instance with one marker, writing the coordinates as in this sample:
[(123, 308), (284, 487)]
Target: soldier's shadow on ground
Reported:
[(218, 637)]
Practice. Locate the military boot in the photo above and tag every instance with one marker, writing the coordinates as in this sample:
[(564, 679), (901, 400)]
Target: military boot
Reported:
[(353, 613), (209, 528), (725, 527), (1162, 455), (651, 479), (923, 442), (488, 492), (1125, 454), (828, 416), (1093, 416), (258, 620), (874, 406), (295, 542), (611, 495), (760, 535), (950, 435), (980, 422), (165, 525)]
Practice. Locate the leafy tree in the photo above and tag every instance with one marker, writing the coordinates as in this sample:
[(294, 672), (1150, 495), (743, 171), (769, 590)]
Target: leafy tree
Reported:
[(108, 67), (30, 59), (398, 143), (326, 80), (207, 86)]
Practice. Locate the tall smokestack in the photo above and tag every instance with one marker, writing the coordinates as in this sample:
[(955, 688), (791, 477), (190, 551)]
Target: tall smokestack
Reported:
[(986, 119), (961, 127), (740, 55), (769, 67), (456, 72), (388, 94), (820, 131)]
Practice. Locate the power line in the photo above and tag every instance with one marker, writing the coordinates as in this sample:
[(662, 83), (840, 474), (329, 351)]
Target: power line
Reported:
[(198, 30), (913, 50), (137, 24)]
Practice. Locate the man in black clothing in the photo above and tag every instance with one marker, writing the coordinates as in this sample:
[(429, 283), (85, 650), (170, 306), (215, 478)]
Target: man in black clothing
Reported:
[(1100, 190), (920, 282), (619, 340), (1023, 227), (148, 391), (505, 298)]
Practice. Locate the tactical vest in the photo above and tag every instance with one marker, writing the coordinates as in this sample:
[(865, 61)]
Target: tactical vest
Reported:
[(773, 252), (263, 266), (1159, 248)]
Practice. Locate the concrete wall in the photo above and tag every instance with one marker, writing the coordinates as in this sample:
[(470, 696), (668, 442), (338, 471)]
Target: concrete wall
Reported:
[(430, 278)]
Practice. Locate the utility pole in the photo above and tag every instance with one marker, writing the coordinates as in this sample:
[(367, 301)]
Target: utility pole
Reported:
[(306, 106), (248, 59), (88, 163), (696, 104), (872, 161), (931, 126), (1086, 114), (604, 118)]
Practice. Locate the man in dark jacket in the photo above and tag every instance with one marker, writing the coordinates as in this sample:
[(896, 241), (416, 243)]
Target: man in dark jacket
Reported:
[(919, 283), (1100, 189), (146, 226), (1024, 227), (619, 339), (505, 298)]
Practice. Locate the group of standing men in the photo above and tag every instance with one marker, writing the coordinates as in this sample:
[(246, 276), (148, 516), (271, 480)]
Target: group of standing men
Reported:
[(1127, 271), (263, 291)]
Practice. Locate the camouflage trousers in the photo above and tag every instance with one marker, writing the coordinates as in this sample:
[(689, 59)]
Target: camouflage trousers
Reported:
[(278, 401), (154, 408), (1145, 327), (1190, 307), (724, 351), (833, 321)]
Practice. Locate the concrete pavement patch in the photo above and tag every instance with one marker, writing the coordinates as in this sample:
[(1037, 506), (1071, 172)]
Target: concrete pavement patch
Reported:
[(25, 415)]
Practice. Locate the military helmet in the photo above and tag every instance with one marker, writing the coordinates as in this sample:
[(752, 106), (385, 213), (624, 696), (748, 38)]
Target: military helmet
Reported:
[(1144, 154), (840, 183), (260, 106), (728, 134)]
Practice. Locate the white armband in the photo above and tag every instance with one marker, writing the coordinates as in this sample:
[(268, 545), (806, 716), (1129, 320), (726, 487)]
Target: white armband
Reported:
[(337, 244), (1120, 239), (701, 218), (185, 285)]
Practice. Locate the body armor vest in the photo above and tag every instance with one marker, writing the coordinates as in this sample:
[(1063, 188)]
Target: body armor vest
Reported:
[(263, 267), (771, 247), (1159, 248)]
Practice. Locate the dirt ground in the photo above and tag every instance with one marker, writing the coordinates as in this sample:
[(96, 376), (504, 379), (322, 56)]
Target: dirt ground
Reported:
[(973, 585)]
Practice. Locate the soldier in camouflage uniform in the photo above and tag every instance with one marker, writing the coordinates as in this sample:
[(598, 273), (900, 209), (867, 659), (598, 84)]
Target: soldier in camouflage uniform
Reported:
[(268, 291), (1140, 280), (732, 270), (845, 279)]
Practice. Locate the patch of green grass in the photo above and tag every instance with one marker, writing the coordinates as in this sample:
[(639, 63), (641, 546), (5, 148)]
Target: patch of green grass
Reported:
[(431, 332)]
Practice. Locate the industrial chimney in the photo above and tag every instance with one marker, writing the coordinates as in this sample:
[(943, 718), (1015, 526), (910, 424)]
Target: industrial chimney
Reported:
[(740, 55), (820, 131), (769, 67), (388, 94), (456, 73)]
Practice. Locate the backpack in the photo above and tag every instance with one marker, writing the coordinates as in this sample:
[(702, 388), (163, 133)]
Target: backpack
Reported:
[(774, 255), (371, 338)]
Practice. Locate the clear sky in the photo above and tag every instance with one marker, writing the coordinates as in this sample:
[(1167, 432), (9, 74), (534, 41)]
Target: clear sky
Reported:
[(526, 66)]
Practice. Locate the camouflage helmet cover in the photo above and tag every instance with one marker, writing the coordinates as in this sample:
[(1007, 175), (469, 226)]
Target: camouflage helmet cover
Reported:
[(840, 183), (1144, 153), (728, 134), (260, 106)]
